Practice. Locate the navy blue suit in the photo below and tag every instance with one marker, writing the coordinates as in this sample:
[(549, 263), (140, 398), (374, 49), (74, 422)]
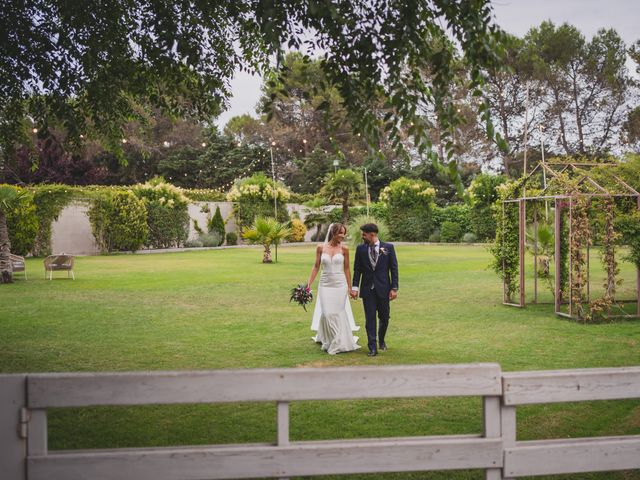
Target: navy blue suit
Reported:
[(375, 283)]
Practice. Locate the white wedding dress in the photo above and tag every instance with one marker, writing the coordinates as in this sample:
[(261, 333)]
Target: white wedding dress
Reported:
[(332, 317)]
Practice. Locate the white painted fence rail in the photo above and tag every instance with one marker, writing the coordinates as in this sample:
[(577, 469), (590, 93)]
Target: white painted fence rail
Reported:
[(25, 398)]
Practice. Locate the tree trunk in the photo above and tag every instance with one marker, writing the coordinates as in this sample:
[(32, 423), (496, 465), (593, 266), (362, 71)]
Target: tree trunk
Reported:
[(267, 255), (345, 211), (6, 270)]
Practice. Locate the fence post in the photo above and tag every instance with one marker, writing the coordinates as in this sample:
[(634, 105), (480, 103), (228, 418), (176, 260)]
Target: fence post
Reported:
[(508, 421), (492, 429), (13, 450)]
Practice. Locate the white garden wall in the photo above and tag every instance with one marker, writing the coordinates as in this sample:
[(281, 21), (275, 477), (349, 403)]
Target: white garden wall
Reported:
[(71, 232)]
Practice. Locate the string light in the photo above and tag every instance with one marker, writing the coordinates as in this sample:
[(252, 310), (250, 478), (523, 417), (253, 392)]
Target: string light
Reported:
[(34, 130), (124, 140)]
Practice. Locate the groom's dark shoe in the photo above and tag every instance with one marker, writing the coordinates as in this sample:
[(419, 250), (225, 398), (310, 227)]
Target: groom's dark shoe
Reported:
[(372, 353), (383, 347)]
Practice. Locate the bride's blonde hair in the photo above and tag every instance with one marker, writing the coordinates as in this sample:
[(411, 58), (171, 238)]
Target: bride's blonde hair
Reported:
[(335, 229)]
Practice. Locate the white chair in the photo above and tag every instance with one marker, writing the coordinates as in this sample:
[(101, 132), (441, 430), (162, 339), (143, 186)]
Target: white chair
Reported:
[(59, 262), (18, 264)]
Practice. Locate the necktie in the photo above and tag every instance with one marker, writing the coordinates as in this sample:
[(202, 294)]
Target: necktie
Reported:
[(373, 253)]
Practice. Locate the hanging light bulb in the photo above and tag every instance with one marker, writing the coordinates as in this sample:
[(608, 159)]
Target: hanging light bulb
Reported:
[(34, 130), (124, 140)]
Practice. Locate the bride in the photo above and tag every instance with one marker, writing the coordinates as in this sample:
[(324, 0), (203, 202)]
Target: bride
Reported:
[(333, 318)]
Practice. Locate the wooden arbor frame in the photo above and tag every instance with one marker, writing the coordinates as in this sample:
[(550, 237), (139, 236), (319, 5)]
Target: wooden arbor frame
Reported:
[(562, 202)]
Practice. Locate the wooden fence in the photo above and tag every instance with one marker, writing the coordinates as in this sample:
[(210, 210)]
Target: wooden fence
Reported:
[(25, 398)]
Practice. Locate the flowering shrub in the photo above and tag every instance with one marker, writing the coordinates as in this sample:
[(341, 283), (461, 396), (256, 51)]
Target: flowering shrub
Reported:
[(167, 213), (254, 196), (119, 221), (410, 204), (298, 231)]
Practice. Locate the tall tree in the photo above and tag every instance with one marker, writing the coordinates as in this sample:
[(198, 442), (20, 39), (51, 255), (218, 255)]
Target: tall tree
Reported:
[(344, 186), (587, 84), (515, 102), (90, 67)]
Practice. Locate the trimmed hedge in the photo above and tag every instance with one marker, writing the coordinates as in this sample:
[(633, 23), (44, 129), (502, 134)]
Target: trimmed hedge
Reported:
[(119, 221)]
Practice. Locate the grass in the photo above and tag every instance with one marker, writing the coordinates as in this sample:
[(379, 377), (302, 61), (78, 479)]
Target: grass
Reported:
[(221, 309)]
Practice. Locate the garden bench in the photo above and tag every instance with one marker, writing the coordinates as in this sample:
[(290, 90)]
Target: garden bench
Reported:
[(59, 262)]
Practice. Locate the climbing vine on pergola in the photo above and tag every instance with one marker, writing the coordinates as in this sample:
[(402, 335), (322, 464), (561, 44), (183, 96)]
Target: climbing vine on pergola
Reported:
[(578, 203)]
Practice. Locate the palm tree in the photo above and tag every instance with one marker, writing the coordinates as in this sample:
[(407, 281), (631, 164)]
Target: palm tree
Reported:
[(343, 186), (9, 197), (266, 232), (541, 241), (316, 218)]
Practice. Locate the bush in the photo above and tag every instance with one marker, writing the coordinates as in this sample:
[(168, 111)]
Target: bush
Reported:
[(354, 235), (450, 232), (482, 223), (410, 207), (217, 223), (119, 221), (232, 238), (453, 213), (167, 213), (254, 197), (211, 239), (435, 236), (49, 200), (22, 223), (193, 243), (469, 237), (298, 231)]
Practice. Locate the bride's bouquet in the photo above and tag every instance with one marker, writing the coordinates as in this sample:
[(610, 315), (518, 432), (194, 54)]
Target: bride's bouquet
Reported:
[(302, 295)]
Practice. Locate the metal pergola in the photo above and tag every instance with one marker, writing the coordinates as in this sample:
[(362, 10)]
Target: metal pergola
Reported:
[(564, 202)]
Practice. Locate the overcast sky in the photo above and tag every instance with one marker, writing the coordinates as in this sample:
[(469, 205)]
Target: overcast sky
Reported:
[(514, 16)]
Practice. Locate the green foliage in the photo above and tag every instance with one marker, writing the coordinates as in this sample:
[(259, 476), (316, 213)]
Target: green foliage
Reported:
[(217, 223), (482, 194), (469, 237), (211, 239), (450, 232), (232, 238), (354, 234), (410, 209), (119, 221), (344, 187), (298, 231), (50, 200), (254, 197), (167, 213), (435, 236), (266, 232), (505, 249), (129, 55), (21, 218), (628, 225), (458, 214), (482, 223), (483, 189)]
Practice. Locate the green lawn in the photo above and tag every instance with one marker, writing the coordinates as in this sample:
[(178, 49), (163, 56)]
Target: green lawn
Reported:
[(224, 309)]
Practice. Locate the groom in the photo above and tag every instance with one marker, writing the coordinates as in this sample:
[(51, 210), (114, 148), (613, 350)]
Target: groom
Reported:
[(375, 275)]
